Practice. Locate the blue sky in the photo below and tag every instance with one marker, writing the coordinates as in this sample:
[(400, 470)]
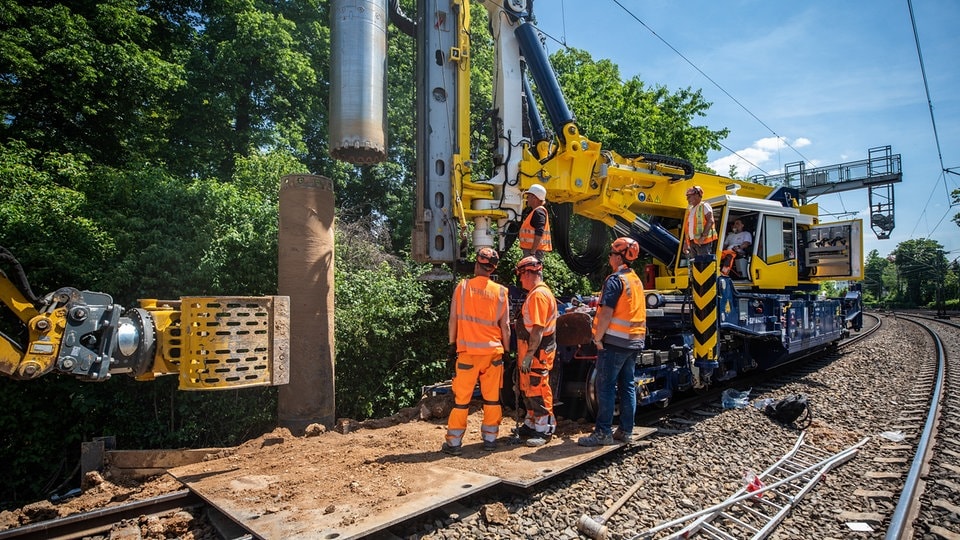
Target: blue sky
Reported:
[(833, 79)]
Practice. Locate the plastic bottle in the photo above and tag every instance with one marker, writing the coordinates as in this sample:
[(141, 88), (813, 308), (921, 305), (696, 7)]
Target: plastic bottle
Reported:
[(753, 482)]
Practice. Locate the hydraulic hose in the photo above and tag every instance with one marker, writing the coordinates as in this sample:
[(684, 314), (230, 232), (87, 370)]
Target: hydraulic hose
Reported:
[(18, 277)]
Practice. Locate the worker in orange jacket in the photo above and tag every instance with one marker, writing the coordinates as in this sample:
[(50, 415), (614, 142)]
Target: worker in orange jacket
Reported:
[(536, 350), (479, 329)]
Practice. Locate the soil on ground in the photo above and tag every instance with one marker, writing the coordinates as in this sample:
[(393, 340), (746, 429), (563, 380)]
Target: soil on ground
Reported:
[(356, 469)]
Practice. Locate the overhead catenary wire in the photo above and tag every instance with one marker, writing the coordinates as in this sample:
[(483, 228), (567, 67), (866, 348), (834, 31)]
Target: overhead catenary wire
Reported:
[(715, 83), (933, 122), (926, 89), (563, 43)]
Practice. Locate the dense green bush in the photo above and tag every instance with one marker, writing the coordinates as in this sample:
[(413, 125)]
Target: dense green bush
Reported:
[(391, 329)]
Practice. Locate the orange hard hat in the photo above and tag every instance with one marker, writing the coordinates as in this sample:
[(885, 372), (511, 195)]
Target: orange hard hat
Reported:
[(529, 263), (628, 248), (488, 257)]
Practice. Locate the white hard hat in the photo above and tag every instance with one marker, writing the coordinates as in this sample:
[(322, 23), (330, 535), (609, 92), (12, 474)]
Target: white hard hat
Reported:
[(538, 191)]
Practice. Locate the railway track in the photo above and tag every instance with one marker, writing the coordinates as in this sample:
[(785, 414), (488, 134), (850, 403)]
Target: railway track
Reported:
[(101, 521), (929, 505), (702, 450)]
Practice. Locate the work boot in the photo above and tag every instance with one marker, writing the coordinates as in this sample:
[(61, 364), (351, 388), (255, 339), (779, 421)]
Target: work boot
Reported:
[(451, 449), (525, 432), (540, 440), (596, 439), (489, 446), (620, 435)]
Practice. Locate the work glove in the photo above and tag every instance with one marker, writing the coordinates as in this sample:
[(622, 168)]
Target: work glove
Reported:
[(452, 357), (526, 364)]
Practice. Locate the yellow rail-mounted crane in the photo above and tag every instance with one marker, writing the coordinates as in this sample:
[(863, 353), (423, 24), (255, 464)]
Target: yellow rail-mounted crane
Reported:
[(703, 324)]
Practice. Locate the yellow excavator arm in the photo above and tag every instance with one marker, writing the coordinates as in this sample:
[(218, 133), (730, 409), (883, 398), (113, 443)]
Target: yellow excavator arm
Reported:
[(210, 342)]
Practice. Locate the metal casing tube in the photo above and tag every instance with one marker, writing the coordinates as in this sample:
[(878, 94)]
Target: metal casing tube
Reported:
[(305, 273), (358, 81)]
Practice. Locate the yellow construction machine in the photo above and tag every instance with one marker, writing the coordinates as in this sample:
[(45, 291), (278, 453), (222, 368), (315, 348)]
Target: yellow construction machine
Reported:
[(210, 342)]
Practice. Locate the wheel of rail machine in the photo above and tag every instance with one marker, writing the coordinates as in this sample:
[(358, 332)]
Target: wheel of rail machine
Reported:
[(509, 391), (592, 399)]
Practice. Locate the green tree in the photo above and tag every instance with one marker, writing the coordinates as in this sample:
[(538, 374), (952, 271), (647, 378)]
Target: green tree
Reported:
[(391, 328), (44, 219), (628, 117), (955, 197), (251, 82), (922, 266), (83, 78), (873, 277)]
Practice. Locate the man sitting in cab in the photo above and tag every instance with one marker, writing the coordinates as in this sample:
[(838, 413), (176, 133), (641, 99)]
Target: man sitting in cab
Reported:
[(736, 245)]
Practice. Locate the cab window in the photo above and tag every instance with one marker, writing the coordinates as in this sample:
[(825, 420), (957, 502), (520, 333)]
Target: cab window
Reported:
[(779, 241)]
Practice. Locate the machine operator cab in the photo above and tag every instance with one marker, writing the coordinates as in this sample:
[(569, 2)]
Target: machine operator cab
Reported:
[(763, 245)]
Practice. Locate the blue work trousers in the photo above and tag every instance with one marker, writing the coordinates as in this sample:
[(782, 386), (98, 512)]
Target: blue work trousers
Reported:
[(615, 377)]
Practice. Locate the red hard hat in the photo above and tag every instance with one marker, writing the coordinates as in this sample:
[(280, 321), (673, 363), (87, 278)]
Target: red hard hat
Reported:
[(628, 248)]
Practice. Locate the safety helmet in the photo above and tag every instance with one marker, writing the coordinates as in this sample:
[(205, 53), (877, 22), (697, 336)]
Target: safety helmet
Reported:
[(530, 263), (695, 189), (488, 257), (628, 248), (538, 191)]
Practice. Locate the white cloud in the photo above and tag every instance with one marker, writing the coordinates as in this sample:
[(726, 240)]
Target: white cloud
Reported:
[(756, 158), (757, 155)]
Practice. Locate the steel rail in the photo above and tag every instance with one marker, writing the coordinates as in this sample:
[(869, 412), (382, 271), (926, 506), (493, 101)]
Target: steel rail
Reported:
[(101, 520), (908, 497)]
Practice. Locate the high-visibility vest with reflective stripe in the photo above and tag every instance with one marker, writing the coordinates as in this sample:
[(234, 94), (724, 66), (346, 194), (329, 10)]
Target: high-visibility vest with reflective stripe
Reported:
[(696, 223), (549, 318), (527, 232), (628, 326), (479, 306)]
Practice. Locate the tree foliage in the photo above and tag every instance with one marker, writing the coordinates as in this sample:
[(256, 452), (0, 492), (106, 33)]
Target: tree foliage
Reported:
[(83, 78), (391, 329), (873, 286), (141, 150), (922, 266), (628, 117), (955, 200)]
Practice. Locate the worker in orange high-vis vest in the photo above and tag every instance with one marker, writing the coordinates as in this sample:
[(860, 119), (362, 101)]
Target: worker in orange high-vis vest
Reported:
[(534, 233), (536, 350), (700, 233), (619, 330), (479, 329)]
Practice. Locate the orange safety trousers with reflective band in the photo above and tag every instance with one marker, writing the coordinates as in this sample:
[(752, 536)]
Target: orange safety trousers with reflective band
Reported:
[(540, 308), (629, 321), (527, 233), (479, 304), (727, 257), (488, 368)]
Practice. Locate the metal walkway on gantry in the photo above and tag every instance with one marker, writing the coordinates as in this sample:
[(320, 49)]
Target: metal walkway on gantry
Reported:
[(877, 173)]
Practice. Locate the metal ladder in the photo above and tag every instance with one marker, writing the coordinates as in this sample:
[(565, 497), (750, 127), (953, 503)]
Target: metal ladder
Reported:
[(755, 514)]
